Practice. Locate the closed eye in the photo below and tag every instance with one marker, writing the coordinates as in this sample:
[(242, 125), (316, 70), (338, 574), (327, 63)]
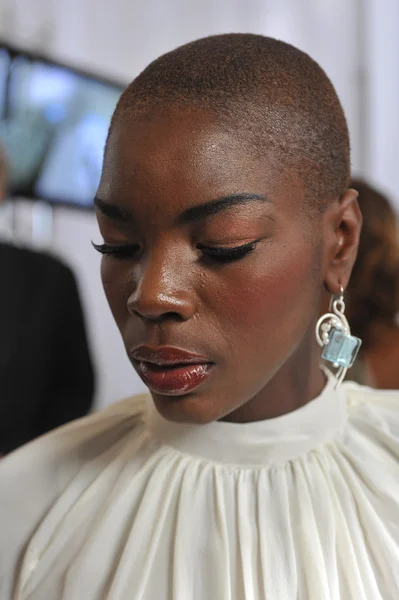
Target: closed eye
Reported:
[(117, 250), (216, 253), (220, 254)]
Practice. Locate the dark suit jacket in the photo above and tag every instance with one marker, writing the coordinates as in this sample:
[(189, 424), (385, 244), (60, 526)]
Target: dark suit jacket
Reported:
[(46, 375)]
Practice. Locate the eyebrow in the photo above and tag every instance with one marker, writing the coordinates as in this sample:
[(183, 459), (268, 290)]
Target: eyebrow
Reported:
[(218, 205), (113, 211), (213, 207)]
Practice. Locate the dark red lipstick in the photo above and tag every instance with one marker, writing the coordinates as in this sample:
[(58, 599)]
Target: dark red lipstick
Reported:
[(171, 371)]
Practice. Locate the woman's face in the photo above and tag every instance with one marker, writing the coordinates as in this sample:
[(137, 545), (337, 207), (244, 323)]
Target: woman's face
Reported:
[(213, 267)]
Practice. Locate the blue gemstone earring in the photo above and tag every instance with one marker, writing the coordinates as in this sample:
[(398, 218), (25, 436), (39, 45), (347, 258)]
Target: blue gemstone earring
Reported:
[(333, 334)]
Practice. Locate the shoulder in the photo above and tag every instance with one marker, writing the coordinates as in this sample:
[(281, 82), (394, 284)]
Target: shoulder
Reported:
[(77, 440), (364, 394), (34, 477), (28, 261), (379, 408), (28, 255), (56, 456)]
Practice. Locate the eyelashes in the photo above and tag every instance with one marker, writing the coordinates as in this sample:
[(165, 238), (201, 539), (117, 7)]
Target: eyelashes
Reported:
[(119, 251), (215, 253), (227, 254)]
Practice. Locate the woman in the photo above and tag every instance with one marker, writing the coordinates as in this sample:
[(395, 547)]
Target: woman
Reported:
[(225, 212), (373, 292)]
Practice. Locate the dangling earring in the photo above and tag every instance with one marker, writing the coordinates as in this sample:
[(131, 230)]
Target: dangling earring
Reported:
[(334, 335)]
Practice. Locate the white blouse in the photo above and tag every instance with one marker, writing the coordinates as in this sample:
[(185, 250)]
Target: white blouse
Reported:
[(123, 505)]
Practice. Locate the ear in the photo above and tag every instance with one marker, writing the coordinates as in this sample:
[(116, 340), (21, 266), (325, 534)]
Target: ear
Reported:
[(343, 223)]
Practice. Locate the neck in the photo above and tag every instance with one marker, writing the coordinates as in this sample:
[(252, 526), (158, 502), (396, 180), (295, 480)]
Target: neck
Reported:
[(298, 381)]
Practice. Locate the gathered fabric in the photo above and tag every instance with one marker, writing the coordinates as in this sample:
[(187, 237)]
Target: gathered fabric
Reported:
[(124, 505)]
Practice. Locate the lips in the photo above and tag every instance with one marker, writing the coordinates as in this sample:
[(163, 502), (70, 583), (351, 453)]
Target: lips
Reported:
[(171, 371)]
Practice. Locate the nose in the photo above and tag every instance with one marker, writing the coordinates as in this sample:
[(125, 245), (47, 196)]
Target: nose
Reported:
[(161, 290)]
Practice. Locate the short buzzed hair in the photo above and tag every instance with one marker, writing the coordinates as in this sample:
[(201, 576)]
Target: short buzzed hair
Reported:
[(272, 93)]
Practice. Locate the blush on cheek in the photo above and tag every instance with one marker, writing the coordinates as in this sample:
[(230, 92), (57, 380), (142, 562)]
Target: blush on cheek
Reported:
[(270, 291)]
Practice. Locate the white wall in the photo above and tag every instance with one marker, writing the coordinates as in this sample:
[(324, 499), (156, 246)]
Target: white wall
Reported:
[(120, 37), (382, 58)]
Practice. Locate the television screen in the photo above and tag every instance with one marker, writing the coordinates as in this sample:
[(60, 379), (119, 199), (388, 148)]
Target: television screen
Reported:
[(53, 125)]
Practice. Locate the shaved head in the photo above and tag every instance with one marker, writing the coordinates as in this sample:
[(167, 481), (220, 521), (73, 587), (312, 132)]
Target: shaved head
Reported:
[(275, 97)]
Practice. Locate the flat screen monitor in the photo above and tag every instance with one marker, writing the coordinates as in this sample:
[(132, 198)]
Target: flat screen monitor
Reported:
[(53, 125)]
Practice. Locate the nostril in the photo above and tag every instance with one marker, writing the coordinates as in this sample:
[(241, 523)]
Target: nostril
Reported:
[(161, 307), (156, 316)]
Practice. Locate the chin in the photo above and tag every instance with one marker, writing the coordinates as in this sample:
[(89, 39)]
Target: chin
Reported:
[(186, 409)]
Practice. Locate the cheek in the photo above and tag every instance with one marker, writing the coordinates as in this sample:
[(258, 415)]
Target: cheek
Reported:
[(270, 297), (115, 278)]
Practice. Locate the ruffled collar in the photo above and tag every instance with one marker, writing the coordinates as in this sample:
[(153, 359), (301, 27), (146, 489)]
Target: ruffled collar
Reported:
[(267, 442)]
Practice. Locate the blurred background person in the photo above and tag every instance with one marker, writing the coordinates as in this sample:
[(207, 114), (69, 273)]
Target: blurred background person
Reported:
[(46, 373), (372, 298)]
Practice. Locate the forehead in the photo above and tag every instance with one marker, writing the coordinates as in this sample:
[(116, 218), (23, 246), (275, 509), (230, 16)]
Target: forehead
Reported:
[(191, 155)]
